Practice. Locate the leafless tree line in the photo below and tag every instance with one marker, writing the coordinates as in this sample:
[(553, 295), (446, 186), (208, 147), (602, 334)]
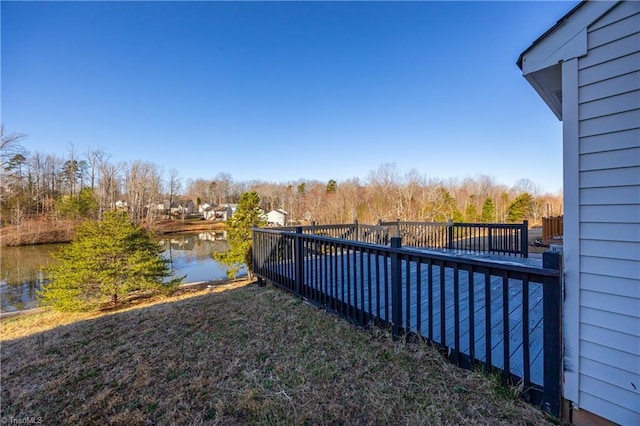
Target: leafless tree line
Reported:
[(50, 186)]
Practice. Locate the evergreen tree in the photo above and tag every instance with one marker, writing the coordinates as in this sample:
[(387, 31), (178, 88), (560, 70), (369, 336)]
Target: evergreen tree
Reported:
[(488, 211), (83, 205), (332, 186), (521, 208), (471, 213), (239, 235), (106, 261)]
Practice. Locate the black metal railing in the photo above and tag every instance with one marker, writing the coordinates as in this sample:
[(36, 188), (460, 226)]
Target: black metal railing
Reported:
[(502, 317), (493, 238)]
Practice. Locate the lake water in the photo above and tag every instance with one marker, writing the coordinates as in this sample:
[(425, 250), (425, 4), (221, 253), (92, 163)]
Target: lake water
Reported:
[(21, 273)]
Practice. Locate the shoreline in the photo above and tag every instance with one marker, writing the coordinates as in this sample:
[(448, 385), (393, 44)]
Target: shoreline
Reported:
[(36, 232), (182, 288)]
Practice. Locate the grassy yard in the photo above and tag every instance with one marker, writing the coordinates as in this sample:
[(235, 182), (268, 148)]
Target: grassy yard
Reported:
[(245, 355)]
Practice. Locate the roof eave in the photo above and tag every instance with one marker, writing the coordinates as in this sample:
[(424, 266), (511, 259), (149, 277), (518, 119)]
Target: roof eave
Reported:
[(541, 63), (549, 31)]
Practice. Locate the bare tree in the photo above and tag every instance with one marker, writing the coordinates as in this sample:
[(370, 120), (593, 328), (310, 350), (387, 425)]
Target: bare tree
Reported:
[(10, 145), (95, 157), (142, 182), (174, 185)]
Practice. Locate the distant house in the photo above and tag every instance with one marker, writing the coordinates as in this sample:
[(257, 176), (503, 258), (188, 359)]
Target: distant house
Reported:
[(586, 68), (161, 207), (223, 212), (205, 207), (122, 205), (182, 207), (277, 217), (209, 212)]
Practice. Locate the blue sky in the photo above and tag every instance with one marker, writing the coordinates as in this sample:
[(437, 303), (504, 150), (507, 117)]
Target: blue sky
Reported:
[(281, 91)]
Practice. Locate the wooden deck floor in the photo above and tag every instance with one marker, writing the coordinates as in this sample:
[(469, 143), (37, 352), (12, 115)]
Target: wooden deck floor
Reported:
[(430, 294)]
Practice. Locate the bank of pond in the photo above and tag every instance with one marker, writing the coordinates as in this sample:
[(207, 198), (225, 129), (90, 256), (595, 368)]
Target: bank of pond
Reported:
[(21, 268)]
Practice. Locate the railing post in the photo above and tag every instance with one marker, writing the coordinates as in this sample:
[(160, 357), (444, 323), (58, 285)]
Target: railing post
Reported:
[(356, 230), (552, 329), (396, 288), (299, 273), (525, 238), (313, 228), (490, 236), (450, 234)]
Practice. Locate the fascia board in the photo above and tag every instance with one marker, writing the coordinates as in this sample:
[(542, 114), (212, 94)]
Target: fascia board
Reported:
[(566, 42)]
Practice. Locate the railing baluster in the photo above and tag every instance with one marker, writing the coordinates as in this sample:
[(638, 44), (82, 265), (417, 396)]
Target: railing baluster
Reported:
[(396, 288), (443, 322), (408, 294), (505, 328), (419, 296), (526, 357), (472, 321), (487, 320), (430, 291), (342, 307), (362, 310), (456, 313), (349, 290), (377, 253)]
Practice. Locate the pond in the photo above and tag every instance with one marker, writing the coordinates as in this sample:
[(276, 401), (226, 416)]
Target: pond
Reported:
[(21, 273)]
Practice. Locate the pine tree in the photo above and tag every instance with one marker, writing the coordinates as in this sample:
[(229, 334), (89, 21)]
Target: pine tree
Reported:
[(332, 186), (488, 211), (521, 208), (106, 261), (239, 234), (471, 213)]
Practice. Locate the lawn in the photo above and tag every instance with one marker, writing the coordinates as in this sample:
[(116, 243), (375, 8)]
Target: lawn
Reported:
[(246, 355)]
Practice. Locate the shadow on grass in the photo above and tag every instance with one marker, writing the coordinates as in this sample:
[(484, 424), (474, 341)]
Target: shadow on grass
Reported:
[(247, 355)]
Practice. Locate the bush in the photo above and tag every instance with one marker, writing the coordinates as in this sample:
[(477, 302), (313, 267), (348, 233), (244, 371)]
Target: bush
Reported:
[(106, 262)]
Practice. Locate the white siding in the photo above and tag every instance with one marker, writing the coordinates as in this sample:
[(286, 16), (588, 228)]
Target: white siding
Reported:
[(609, 216)]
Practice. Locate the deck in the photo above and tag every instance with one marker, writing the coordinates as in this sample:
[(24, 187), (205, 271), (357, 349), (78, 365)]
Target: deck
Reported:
[(433, 297), (482, 310)]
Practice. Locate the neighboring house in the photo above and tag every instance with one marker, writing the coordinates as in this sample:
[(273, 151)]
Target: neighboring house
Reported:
[(223, 212), (209, 213), (205, 207), (182, 207), (159, 207), (587, 70), (122, 205), (176, 207), (277, 217)]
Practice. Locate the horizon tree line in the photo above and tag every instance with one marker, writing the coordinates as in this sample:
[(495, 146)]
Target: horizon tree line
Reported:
[(86, 185)]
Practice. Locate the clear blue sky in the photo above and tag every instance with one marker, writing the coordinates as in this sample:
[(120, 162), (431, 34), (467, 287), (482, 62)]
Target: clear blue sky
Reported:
[(284, 91)]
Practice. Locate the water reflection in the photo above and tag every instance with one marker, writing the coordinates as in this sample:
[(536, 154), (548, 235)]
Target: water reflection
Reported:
[(21, 274), (21, 268)]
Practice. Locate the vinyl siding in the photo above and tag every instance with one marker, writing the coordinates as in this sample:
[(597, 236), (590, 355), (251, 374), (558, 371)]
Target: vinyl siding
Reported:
[(609, 212)]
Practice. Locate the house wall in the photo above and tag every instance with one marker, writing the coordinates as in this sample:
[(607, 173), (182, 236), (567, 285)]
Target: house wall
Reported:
[(277, 218), (608, 234)]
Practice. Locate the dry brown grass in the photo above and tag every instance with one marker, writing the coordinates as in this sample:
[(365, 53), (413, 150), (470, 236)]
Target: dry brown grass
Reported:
[(249, 355), (42, 231), (37, 231)]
